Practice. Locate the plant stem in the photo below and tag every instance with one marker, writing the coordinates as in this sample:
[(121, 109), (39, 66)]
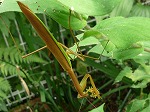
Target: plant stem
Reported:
[(124, 101), (106, 84), (115, 90)]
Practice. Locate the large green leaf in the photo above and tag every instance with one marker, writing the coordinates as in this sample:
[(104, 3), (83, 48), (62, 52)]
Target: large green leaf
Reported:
[(52, 8), (140, 77), (124, 32), (139, 104), (60, 13), (11, 5), (127, 53), (91, 7), (136, 105)]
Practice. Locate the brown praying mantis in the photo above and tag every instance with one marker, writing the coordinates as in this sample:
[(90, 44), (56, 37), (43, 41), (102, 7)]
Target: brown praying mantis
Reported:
[(59, 53)]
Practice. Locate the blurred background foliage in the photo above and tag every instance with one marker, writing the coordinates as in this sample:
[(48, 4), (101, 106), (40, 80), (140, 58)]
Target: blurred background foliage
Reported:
[(123, 83)]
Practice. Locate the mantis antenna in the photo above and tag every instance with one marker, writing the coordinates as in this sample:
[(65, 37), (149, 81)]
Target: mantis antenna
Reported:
[(69, 23)]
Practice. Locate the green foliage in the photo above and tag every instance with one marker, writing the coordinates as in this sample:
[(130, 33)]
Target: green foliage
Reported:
[(123, 9), (138, 104), (123, 42), (121, 33), (11, 3), (98, 109), (122, 38), (10, 58), (4, 88), (140, 76), (3, 107), (57, 11), (60, 13), (124, 30), (6, 17), (128, 8), (140, 10), (97, 7)]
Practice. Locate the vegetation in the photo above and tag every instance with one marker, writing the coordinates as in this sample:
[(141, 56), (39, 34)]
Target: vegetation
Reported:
[(119, 38)]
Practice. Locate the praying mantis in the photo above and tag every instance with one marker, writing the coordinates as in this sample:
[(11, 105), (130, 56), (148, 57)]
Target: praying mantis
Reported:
[(59, 53)]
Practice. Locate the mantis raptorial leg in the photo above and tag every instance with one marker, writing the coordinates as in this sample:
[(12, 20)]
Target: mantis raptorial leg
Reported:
[(80, 56), (59, 53), (69, 24), (103, 49)]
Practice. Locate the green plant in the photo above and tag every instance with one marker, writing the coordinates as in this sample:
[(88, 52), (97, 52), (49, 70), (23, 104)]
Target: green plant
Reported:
[(10, 58), (125, 60), (4, 88)]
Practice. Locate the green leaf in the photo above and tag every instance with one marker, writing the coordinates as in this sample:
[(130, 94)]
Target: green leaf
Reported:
[(124, 72), (34, 58), (140, 10), (84, 42), (140, 77), (4, 88), (136, 105), (127, 53), (42, 94), (5, 19), (52, 8), (142, 58), (10, 57), (81, 68), (122, 31), (9, 5), (98, 49), (94, 33), (123, 9), (88, 41), (146, 109), (60, 14), (98, 109), (3, 107), (91, 7)]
